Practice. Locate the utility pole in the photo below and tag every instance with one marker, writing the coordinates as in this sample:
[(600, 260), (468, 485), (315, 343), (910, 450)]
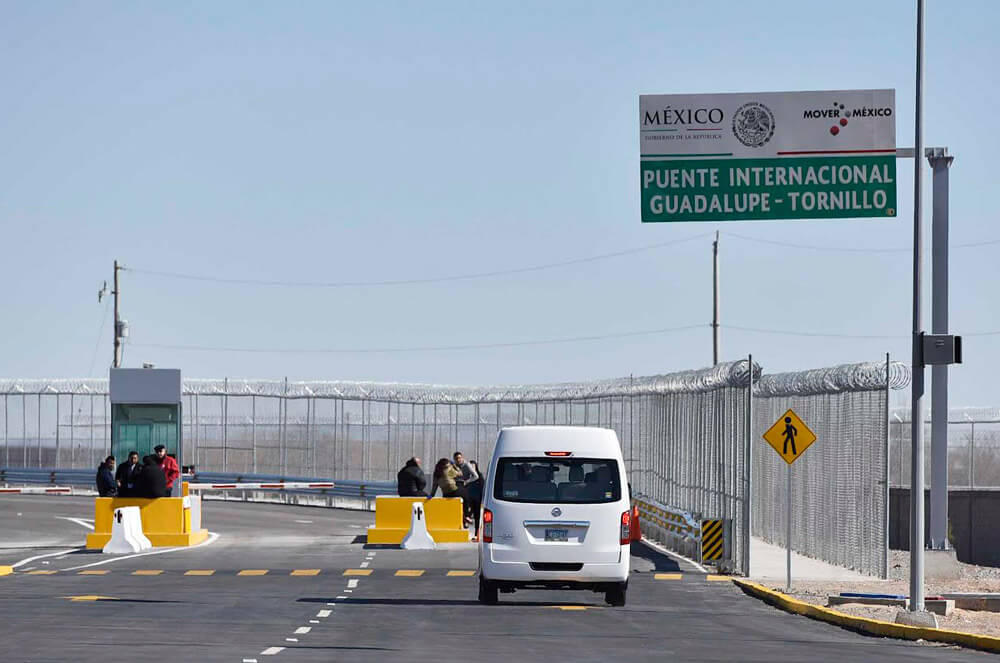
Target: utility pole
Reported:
[(715, 300), (917, 385), (116, 362)]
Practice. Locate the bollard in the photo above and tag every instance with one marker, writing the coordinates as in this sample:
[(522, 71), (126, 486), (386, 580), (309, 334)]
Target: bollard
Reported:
[(418, 538), (126, 532)]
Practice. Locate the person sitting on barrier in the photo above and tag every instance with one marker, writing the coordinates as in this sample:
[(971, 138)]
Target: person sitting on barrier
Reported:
[(151, 482), (127, 473), (410, 482), (106, 486), (445, 477), (475, 490), (168, 464)]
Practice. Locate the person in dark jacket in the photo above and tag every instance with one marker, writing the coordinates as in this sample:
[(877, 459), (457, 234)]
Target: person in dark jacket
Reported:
[(151, 481), (106, 486), (410, 482), (127, 474)]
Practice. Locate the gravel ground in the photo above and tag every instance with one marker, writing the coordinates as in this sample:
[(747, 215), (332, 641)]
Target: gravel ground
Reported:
[(974, 579)]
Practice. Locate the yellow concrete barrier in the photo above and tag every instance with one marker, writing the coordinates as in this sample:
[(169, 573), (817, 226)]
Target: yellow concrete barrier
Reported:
[(165, 520), (392, 519)]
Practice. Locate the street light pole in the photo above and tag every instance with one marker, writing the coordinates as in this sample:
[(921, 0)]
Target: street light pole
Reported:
[(117, 359), (917, 385)]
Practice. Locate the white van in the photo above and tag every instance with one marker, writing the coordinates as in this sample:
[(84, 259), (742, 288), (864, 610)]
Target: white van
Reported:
[(556, 513)]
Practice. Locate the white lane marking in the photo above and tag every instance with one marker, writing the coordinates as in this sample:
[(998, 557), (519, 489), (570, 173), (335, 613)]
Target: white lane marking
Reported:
[(249, 660), (304, 522), (348, 591), (212, 537), (32, 559), (314, 621), (331, 603), (324, 613), (302, 630), (28, 568), (364, 565), (341, 597), (356, 526), (291, 639), (671, 553), (352, 583), (82, 522), (271, 651)]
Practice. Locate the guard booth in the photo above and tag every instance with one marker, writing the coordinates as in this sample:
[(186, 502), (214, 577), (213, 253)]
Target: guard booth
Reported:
[(146, 412)]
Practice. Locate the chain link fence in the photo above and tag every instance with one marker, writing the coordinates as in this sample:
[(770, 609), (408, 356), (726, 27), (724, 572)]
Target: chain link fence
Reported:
[(685, 438), (973, 447)]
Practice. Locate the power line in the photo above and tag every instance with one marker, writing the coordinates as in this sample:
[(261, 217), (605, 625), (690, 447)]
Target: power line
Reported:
[(100, 335), (513, 344), (438, 348), (847, 249), (417, 281)]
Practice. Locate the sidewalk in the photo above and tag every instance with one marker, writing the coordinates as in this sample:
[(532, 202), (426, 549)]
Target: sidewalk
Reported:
[(767, 562)]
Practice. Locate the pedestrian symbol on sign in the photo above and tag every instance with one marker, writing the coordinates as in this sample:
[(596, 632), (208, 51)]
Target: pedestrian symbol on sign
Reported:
[(790, 436), (790, 433)]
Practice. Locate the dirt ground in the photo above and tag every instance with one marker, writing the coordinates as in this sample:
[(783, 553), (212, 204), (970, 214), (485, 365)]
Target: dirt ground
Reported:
[(982, 579)]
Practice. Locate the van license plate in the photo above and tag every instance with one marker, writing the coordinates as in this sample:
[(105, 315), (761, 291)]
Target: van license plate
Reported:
[(557, 535)]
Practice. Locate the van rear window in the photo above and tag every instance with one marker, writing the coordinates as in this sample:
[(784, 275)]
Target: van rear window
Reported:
[(557, 480)]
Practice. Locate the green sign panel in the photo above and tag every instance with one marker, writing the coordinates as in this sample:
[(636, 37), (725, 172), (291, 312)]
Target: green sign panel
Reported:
[(780, 188), (768, 155)]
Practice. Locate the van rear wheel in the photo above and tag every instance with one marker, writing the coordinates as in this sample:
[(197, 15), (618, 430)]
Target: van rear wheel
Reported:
[(615, 596), (489, 593)]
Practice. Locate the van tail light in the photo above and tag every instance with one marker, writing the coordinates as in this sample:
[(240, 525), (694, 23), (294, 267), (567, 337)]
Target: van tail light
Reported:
[(626, 532), (487, 526)]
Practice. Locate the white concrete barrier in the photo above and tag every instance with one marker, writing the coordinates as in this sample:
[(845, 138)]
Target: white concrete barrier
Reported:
[(418, 538), (126, 532)]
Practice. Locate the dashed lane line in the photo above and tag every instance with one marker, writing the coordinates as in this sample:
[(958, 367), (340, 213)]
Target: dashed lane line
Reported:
[(92, 572), (667, 576), (305, 572), (461, 573), (410, 573), (352, 583), (357, 572), (212, 538), (147, 572), (271, 651), (252, 572), (200, 572), (302, 630), (324, 613)]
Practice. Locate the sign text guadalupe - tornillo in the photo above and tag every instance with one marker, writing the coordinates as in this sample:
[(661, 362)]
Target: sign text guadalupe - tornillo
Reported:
[(771, 155)]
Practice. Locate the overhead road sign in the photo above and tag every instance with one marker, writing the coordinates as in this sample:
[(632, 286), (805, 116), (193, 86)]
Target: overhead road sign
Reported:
[(768, 155), (789, 436)]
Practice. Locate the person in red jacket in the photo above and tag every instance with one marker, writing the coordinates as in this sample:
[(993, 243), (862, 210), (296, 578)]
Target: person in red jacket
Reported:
[(168, 465)]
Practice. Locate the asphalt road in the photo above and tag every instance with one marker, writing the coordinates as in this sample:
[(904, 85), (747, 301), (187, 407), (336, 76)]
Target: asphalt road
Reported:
[(295, 584)]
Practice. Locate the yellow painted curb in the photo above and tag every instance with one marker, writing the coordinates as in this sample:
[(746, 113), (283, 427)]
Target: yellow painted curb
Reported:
[(865, 625), (6, 570)]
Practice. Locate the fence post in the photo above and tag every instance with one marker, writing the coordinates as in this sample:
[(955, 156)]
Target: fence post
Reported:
[(886, 494), (225, 424), (748, 471)]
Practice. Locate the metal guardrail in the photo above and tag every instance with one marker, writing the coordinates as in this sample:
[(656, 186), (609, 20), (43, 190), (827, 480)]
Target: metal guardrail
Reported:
[(87, 478), (681, 527)]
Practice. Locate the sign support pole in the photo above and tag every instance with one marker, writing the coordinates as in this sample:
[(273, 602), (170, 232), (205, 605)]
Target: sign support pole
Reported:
[(788, 533), (917, 385), (939, 373)]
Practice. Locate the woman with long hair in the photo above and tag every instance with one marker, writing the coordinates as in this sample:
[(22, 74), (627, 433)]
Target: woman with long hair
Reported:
[(446, 477)]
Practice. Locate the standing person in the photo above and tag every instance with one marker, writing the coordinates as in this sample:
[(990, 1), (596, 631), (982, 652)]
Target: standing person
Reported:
[(168, 464), (468, 476), (151, 482), (410, 482), (446, 478), (127, 473), (106, 486), (475, 490)]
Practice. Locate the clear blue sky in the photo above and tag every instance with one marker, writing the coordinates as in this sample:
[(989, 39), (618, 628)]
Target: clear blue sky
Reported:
[(319, 141)]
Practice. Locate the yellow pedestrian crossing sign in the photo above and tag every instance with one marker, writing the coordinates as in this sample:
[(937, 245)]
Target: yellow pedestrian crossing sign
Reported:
[(789, 436)]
